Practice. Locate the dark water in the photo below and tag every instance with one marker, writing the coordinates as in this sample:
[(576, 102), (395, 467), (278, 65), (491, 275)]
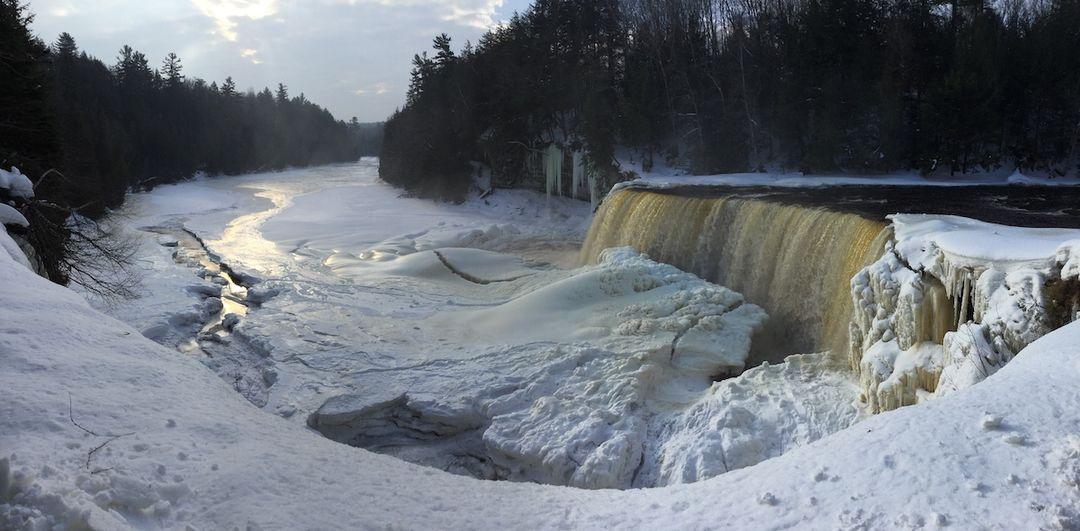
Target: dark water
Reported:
[(1024, 206)]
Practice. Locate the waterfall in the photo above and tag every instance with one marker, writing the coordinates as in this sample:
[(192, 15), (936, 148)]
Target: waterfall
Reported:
[(795, 261)]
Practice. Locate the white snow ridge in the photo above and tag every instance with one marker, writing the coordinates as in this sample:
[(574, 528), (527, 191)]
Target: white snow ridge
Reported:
[(464, 339)]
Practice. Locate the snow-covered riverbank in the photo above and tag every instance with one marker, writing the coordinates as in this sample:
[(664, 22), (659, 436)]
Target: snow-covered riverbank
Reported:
[(475, 339)]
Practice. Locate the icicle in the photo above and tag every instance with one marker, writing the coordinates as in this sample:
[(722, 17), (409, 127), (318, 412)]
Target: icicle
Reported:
[(579, 173), (549, 175), (964, 302), (556, 157), (553, 170)]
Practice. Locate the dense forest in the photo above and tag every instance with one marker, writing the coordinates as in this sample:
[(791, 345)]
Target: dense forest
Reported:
[(87, 132), (941, 87)]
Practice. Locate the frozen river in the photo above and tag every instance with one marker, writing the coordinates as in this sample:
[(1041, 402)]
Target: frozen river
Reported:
[(465, 336)]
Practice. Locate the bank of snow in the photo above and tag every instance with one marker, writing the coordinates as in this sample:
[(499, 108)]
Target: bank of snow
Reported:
[(182, 448)]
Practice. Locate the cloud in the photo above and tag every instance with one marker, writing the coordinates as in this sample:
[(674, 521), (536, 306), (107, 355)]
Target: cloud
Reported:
[(472, 13), (377, 89), (476, 14), (351, 56), (225, 12), (252, 55)]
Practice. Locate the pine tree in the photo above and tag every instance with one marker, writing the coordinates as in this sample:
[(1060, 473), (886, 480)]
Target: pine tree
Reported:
[(172, 71), (64, 47), (421, 72), (282, 94), (27, 130), (443, 54), (228, 88), (132, 71)]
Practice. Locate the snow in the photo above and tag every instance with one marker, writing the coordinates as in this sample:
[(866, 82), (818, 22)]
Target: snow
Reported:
[(12, 249), (16, 184), (662, 177), (964, 241), (995, 282), (465, 337), (183, 449), (478, 291), (10, 216)]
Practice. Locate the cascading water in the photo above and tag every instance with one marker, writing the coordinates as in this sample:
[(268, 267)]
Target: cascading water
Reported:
[(795, 261)]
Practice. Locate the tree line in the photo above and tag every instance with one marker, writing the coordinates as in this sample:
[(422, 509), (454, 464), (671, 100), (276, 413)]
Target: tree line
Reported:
[(88, 132), (942, 87)]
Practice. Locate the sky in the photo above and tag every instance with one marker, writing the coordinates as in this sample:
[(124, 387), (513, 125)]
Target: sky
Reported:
[(350, 56)]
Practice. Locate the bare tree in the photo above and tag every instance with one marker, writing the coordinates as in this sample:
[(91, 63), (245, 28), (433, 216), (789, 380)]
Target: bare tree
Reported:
[(72, 248)]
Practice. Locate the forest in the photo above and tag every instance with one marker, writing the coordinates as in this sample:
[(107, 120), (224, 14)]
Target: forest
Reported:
[(711, 86), (87, 133)]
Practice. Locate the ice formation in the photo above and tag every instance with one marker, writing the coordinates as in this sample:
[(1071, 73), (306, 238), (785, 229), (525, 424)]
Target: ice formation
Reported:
[(437, 334), (578, 176), (572, 405), (952, 300), (553, 162), (584, 177)]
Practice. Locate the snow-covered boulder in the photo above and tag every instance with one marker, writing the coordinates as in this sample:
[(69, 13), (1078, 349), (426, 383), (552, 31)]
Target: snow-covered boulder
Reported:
[(16, 184)]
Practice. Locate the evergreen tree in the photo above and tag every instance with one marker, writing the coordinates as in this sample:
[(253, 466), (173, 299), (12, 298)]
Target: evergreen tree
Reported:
[(172, 71), (64, 47), (941, 86), (443, 54), (27, 134), (228, 88)]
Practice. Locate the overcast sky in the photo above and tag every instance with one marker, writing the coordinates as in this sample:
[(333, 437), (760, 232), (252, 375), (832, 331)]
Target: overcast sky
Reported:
[(351, 56)]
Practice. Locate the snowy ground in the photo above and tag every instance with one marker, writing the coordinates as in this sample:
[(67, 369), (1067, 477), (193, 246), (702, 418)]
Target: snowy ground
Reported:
[(427, 331)]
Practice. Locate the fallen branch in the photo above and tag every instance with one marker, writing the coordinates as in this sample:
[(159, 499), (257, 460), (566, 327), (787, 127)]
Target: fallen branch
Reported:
[(90, 454)]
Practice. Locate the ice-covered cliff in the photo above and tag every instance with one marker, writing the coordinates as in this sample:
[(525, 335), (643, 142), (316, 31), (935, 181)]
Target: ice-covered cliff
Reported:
[(952, 300)]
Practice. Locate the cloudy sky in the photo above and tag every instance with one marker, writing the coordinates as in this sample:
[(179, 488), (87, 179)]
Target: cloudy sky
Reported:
[(351, 56)]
